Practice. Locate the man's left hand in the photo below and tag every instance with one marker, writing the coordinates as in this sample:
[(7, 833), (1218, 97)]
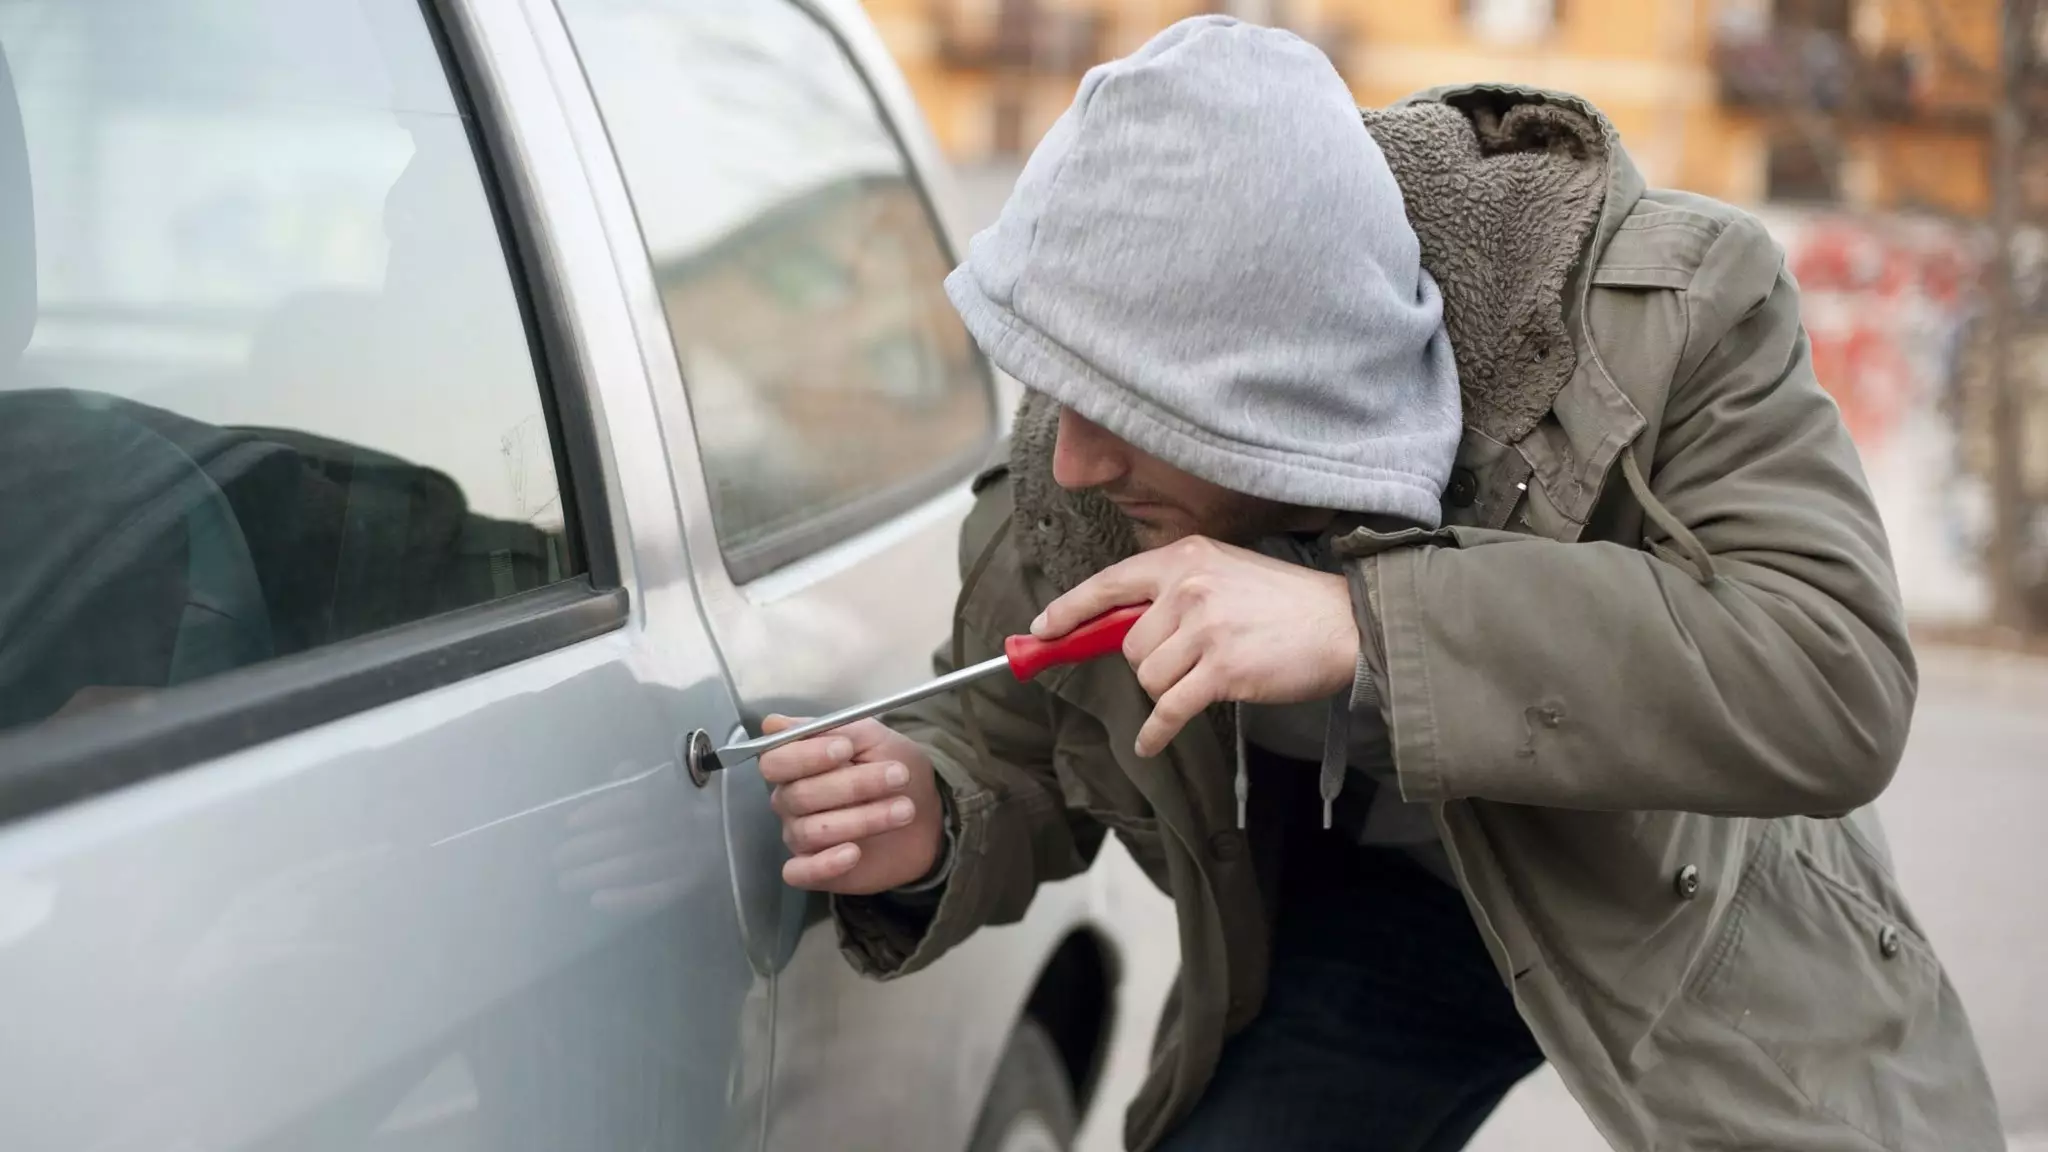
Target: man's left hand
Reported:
[(1225, 624)]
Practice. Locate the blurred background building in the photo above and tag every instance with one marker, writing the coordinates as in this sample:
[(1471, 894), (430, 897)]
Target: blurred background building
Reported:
[(1890, 144), (1867, 103)]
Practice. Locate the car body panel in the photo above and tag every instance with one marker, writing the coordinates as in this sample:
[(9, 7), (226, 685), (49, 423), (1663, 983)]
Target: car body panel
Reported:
[(361, 935), (367, 934)]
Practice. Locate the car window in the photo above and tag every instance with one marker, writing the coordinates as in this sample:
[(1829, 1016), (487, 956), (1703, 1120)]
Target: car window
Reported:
[(265, 383), (798, 266)]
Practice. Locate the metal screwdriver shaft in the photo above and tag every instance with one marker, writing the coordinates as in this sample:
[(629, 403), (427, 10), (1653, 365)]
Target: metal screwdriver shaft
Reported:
[(1023, 657), (744, 750)]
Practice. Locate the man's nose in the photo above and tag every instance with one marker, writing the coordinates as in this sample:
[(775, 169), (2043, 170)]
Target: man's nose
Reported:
[(1086, 456)]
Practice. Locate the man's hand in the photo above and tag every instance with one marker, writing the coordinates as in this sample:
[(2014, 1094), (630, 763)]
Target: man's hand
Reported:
[(1225, 624), (859, 808)]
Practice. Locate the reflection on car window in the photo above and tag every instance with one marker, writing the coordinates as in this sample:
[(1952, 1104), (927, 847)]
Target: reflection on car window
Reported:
[(798, 267), (264, 382)]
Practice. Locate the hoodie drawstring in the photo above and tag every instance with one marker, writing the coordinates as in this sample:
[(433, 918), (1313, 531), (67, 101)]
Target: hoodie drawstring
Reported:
[(1336, 740), (1243, 782), (1330, 783)]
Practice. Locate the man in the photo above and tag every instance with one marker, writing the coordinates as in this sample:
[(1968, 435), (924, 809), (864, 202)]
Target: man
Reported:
[(1514, 704)]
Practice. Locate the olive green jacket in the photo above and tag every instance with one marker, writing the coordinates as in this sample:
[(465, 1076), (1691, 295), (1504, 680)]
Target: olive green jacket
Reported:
[(1649, 664)]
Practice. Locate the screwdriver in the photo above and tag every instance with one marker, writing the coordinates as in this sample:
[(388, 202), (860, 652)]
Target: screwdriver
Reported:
[(1024, 657)]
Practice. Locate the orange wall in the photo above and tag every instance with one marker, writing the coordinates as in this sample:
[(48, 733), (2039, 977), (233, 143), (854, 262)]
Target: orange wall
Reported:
[(1646, 63)]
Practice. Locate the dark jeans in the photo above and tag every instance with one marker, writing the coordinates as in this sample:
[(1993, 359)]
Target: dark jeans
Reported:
[(1385, 1027)]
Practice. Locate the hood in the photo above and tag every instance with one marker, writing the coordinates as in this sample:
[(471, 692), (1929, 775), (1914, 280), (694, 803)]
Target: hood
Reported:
[(1507, 190), (1209, 258)]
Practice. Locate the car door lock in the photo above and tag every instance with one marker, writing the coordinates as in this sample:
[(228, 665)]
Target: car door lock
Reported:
[(699, 757)]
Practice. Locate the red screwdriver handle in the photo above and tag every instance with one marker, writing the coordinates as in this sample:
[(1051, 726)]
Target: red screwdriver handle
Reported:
[(1101, 636)]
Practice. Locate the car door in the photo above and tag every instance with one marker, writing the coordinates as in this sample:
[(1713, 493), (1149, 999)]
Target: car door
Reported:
[(825, 409), (347, 635), (823, 403)]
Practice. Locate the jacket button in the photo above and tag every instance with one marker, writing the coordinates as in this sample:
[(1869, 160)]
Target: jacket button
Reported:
[(1227, 846), (1888, 941), (1687, 882), (1463, 489)]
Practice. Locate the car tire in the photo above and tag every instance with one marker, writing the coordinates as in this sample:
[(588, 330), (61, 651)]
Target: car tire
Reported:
[(1030, 1106)]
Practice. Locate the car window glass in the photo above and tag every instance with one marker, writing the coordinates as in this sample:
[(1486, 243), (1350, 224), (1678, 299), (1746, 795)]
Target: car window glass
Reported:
[(264, 381), (799, 269)]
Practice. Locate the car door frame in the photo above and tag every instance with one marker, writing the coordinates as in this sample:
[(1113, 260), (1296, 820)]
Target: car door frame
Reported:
[(884, 519), (741, 614), (981, 989)]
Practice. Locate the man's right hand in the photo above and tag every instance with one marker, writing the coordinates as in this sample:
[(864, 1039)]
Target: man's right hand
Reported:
[(860, 810)]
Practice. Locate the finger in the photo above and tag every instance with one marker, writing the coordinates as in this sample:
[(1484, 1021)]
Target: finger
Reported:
[(843, 825), (811, 757), (863, 733), (1132, 581), (867, 735), (1168, 664), (817, 870), (1181, 703), (849, 786), (1160, 622), (825, 751)]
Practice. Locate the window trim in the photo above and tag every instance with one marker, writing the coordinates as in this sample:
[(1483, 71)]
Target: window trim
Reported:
[(807, 538), (804, 539), (564, 389), (64, 761), (61, 762)]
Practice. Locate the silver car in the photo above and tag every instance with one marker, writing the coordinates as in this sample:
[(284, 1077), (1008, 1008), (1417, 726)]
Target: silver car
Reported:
[(417, 419)]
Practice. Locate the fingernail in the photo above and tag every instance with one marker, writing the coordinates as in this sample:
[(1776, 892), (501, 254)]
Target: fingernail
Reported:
[(901, 811), (897, 775), (1038, 625), (839, 749)]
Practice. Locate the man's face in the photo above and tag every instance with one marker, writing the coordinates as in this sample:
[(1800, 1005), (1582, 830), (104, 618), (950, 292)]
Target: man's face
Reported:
[(1162, 502)]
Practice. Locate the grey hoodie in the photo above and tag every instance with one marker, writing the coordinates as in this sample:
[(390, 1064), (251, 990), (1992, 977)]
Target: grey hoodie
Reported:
[(1208, 256)]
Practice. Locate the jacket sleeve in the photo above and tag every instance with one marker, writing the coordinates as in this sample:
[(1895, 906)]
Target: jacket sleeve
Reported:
[(1599, 676), (1012, 829)]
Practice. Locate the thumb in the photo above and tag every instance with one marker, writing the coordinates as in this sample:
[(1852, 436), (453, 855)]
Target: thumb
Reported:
[(864, 734)]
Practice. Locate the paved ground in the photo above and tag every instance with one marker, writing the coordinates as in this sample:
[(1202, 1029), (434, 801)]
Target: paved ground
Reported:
[(1964, 819)]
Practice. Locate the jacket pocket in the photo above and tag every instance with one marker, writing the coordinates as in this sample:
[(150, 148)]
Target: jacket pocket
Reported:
[(1843, 997)]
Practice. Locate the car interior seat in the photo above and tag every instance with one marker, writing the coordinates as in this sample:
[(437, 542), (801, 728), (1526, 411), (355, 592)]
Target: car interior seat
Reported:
[(143, 549), (122, 564), (405, 542)]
